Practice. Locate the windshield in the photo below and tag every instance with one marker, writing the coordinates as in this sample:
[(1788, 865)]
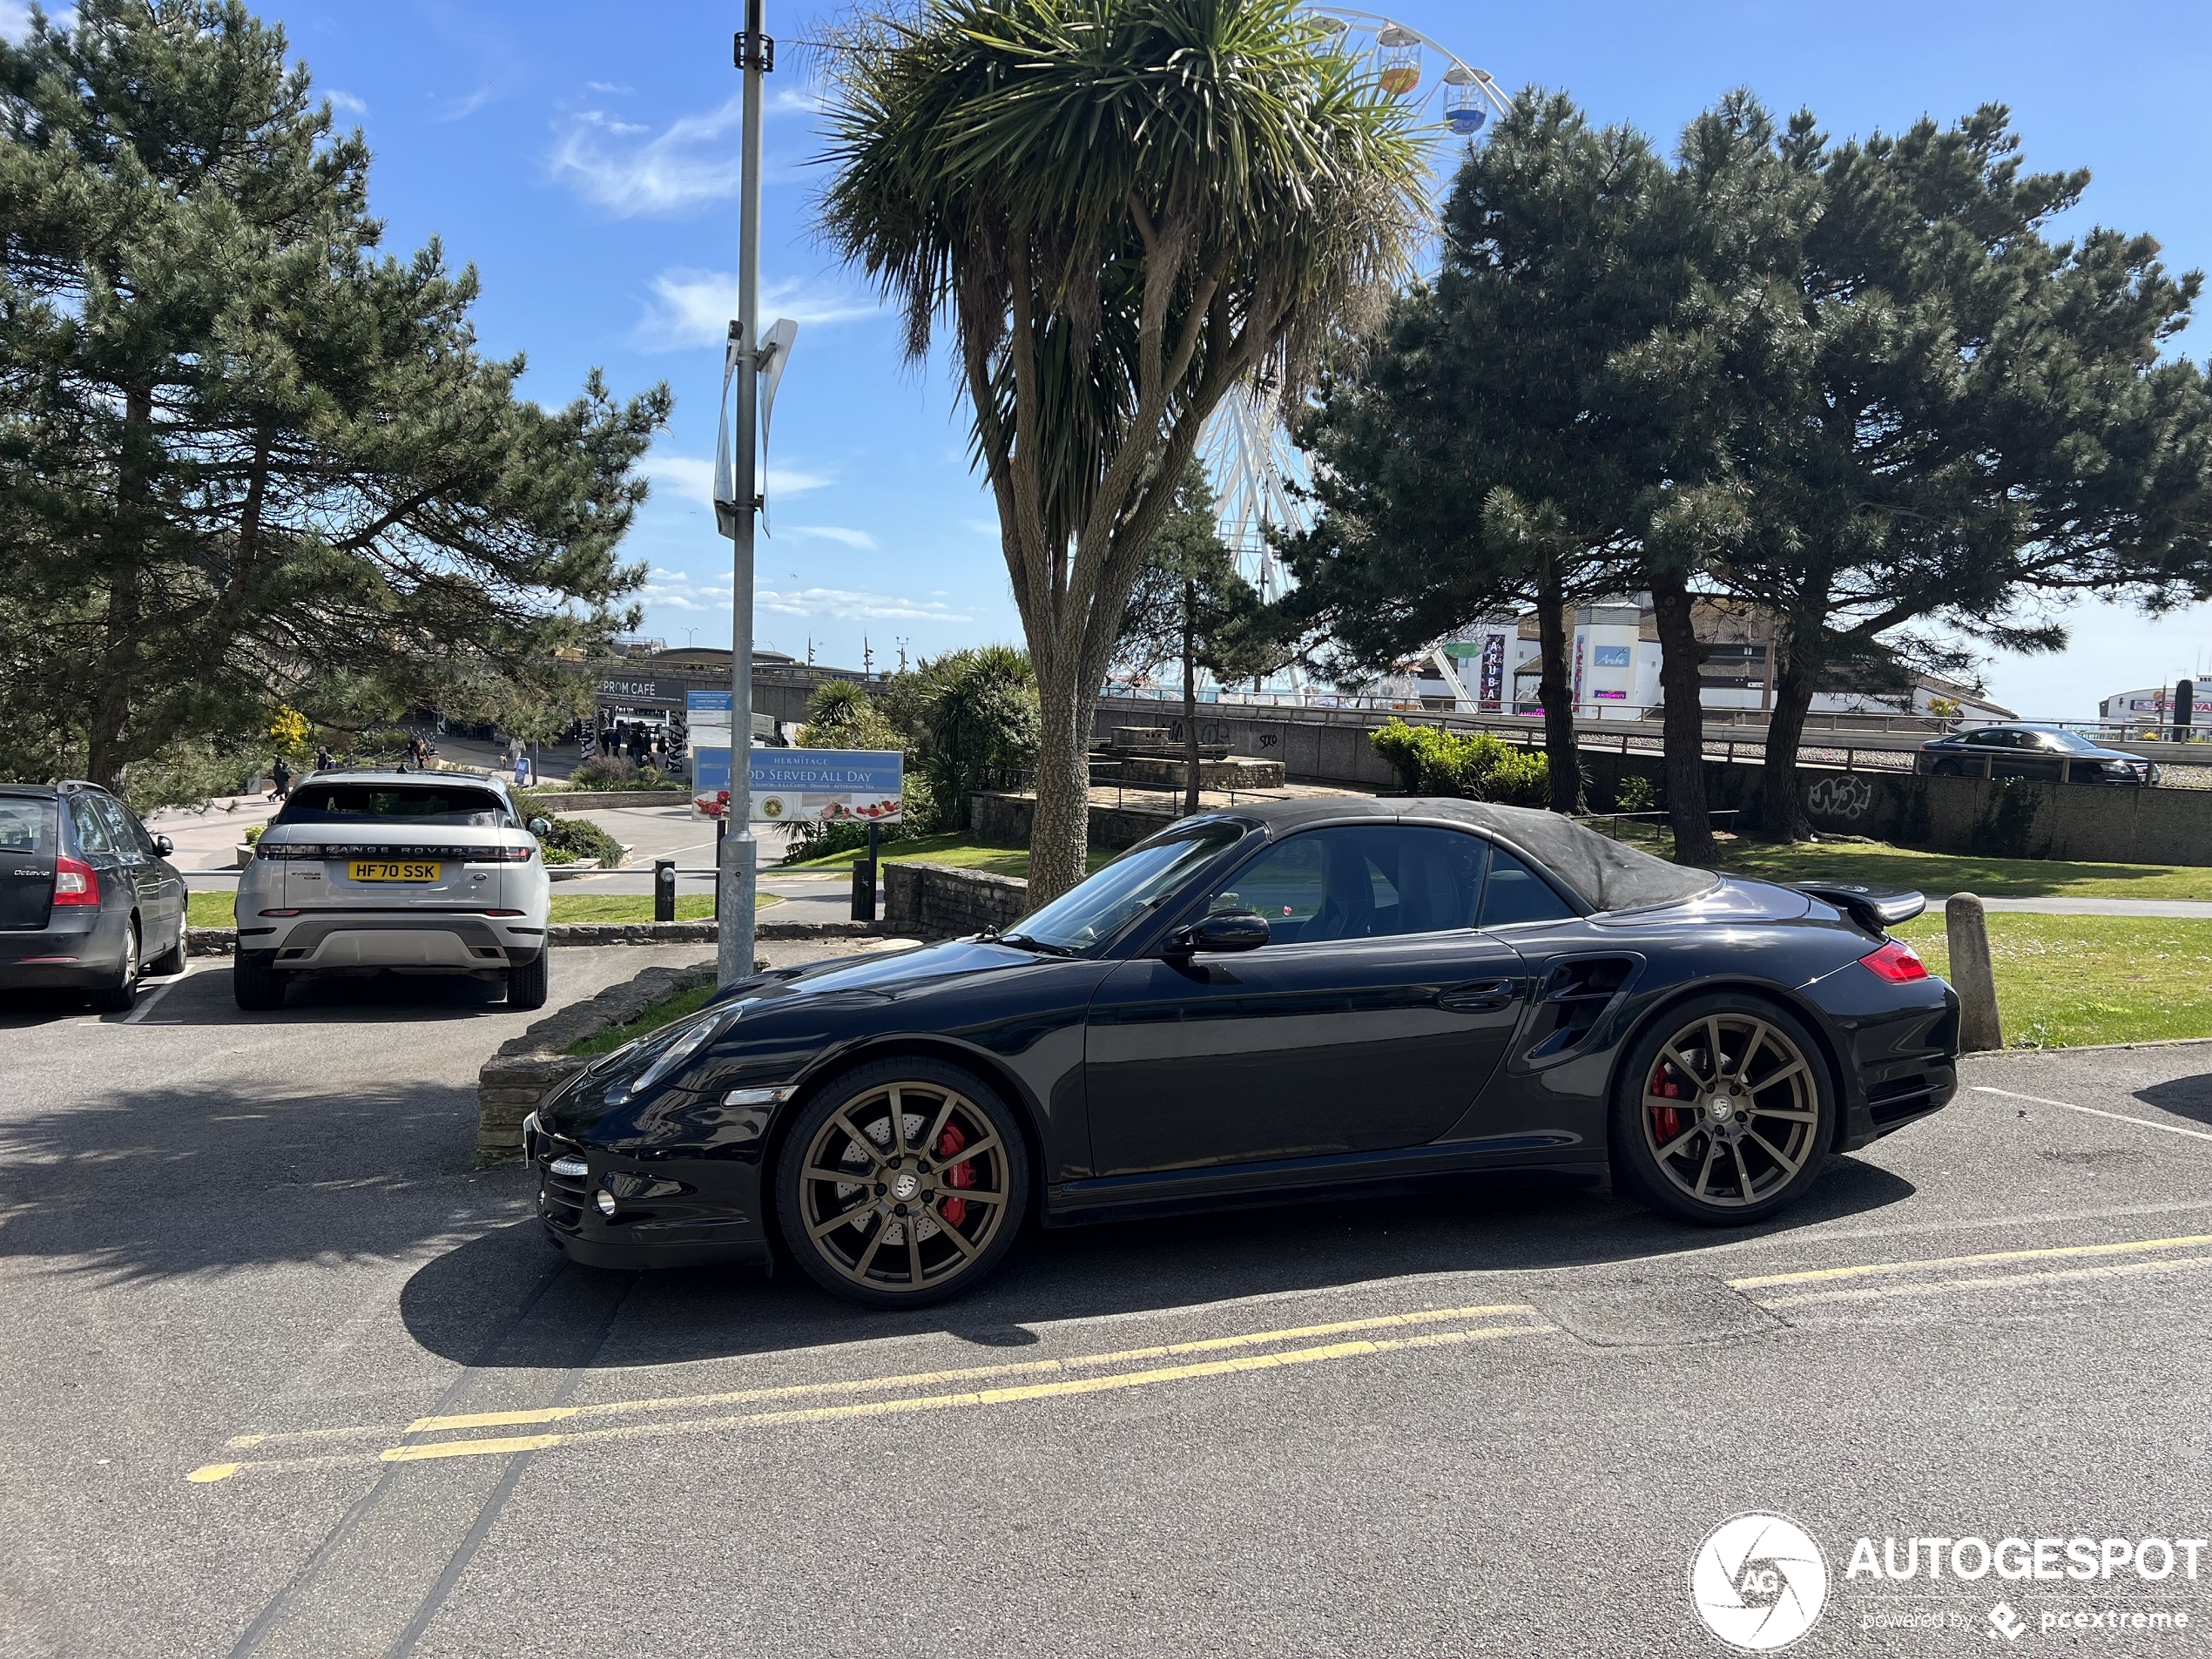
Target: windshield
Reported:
[(446, 803), (1132, 883)]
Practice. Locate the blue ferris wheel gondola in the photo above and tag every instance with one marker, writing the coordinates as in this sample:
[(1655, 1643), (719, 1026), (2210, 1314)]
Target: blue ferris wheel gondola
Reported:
[(1465, 110)]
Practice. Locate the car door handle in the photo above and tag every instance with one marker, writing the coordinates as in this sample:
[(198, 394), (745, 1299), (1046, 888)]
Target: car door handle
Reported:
[(1477, 996)]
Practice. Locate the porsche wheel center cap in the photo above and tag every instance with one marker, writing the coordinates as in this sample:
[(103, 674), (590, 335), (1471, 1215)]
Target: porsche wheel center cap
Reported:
[(1722, 1109), (905, 1185)]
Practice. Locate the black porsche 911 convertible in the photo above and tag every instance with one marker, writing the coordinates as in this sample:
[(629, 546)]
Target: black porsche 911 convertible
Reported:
[(1259, 1005)]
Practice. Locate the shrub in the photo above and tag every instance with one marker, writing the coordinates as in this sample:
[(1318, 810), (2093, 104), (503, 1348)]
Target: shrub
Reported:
[(1432, 760), (253, 833), (1636, 795), (581, 838)]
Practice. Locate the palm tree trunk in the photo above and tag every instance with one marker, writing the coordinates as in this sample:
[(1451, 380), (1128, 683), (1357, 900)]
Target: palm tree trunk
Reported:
[(1684, 724), (1060, 831), (1555, 693), (1191, 696), (1782, 809)]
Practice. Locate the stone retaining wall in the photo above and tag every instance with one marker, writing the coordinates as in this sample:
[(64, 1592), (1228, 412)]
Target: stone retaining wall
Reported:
[(530, 1067), (594, 801), (1002, 819), (930, 902)]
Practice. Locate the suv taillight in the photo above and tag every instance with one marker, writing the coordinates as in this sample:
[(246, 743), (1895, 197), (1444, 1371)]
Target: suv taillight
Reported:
[(1897, 962), (74, 881)]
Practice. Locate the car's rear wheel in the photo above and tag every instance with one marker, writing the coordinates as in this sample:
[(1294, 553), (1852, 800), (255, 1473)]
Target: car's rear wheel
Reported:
[(255, 984), (528, 983), (1945, 769), (902, 1184), (1723, 1111), (118, 997), (172, 959)]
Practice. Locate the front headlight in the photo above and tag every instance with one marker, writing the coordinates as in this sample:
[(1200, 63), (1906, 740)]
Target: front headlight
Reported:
[(688, 1040)]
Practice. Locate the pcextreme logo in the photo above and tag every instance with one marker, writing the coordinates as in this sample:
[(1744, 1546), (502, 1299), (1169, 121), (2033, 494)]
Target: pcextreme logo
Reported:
[(1758, 1581)]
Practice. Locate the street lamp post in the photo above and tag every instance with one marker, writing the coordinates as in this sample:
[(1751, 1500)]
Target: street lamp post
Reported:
[(739, 864)]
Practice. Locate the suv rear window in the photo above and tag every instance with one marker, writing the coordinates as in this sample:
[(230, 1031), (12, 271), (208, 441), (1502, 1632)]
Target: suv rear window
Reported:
[(27, 826), (336, 803)]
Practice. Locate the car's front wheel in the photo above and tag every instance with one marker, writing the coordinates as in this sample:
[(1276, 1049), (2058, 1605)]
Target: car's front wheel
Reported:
[(1724, 1110), (903, 1182)]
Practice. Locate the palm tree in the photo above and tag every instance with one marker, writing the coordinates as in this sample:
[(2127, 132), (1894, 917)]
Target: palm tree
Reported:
[(1124, 208)]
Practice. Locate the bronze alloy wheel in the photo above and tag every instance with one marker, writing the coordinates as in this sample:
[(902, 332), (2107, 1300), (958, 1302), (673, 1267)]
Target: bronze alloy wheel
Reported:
[(1731, 1109), (907, 1184)]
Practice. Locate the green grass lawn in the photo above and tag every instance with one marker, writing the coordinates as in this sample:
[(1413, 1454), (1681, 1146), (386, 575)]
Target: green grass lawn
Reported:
[(652, 1019), (2066, 980), (213, 909), (1874, 863), (962, 851)]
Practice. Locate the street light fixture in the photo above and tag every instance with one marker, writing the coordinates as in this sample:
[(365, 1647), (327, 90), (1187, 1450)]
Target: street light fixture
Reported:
[(749, 356)]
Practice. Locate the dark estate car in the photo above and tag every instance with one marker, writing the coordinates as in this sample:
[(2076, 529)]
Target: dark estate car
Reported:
[(1266, 1003), (88, 899), (2049, 753)]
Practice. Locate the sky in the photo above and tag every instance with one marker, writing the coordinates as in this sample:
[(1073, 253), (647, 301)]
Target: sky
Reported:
[(583, 158)]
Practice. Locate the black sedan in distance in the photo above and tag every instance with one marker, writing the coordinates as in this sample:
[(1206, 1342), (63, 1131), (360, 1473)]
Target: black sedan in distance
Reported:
[(1288, 1001), (2048, 753)]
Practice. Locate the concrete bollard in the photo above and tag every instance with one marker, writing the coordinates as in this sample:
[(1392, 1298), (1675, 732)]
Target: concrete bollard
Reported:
[(1967, 925)]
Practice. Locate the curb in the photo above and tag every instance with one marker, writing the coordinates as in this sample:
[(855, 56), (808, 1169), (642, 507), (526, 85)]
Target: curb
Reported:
[(223, 941)]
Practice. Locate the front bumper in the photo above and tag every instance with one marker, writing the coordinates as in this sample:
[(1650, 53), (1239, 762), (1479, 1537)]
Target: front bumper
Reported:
[(686, 1211)]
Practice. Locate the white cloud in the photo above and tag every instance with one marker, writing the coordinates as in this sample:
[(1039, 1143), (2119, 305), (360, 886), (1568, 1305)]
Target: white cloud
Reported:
[(346, 103), (691, 163), (692, 478), (852, 538), (845, 604), (459, 109), (615, 89), (692, 308)]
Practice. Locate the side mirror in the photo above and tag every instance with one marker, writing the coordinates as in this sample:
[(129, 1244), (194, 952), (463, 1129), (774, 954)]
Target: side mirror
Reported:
[(539, 826), (1230, 930), (163, 845)]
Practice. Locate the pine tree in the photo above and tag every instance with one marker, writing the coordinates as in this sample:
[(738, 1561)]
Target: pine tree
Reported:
[(246, 458)]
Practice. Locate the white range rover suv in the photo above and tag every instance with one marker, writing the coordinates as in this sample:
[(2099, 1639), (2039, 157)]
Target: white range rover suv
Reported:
[(405, 872)]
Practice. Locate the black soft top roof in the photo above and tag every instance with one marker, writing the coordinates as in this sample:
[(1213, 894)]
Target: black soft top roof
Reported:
[(1603, 872)]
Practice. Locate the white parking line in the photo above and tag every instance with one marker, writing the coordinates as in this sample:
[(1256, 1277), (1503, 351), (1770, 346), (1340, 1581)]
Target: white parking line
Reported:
[(2119, 1118), (152, 999)]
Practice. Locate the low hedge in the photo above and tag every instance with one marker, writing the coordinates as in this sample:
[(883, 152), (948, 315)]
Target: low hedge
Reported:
[(1434, 760)]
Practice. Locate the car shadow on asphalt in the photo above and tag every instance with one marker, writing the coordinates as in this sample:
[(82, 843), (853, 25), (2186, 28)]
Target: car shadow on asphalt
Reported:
[(206, 999), (2189, 1098), (454, 1305)]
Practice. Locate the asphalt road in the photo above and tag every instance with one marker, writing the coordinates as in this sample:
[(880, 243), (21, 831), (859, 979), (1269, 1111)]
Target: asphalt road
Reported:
[(251, 1249)]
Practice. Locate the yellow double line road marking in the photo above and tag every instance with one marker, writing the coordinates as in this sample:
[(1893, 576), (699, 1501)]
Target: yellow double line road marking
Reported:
[(1528, 1324), (1761, 1282)]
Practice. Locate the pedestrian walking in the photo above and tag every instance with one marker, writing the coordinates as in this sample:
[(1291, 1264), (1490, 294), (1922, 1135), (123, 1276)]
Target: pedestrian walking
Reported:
[(324, 759), (280, 774)]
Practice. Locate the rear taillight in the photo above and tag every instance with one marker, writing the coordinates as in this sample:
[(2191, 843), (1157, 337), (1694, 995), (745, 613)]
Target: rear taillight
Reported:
[(1897, 962), (500, 855), (264, 848), (74, 881)]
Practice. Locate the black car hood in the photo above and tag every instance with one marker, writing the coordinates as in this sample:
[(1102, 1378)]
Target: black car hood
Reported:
[(882, 972)]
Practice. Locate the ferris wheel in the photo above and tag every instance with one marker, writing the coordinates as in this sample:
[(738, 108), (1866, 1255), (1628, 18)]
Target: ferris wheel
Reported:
[(1248, 452)]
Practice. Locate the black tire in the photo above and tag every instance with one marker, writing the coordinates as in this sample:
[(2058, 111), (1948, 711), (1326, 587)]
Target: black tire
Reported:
[(255, 984), (529, 983), (119, 997), (958, 1141), (1947, 769), (172, 959), (1747, 1162)]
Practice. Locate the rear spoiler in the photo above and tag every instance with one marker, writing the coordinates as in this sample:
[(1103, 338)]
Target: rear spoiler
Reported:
[(1877, 909)]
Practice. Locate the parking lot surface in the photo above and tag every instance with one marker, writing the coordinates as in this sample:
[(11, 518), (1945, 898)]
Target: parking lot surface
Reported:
[(288, 1377)]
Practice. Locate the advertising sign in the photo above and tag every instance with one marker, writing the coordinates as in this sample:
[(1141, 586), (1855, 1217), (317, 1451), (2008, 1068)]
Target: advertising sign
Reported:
[(825, 785), (1491, 687), (706, 714)]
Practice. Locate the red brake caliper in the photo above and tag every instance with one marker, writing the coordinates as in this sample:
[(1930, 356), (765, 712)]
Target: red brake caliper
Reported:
[(955, 1211), (1666, 1121)]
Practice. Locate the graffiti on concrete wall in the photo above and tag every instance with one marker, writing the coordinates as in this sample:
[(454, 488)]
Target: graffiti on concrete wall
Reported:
[(1847, 797)]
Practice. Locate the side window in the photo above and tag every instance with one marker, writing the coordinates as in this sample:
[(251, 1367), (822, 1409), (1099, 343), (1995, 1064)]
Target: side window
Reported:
[(1515, 892), (91, 829), (131, 841), (1361, 882)]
